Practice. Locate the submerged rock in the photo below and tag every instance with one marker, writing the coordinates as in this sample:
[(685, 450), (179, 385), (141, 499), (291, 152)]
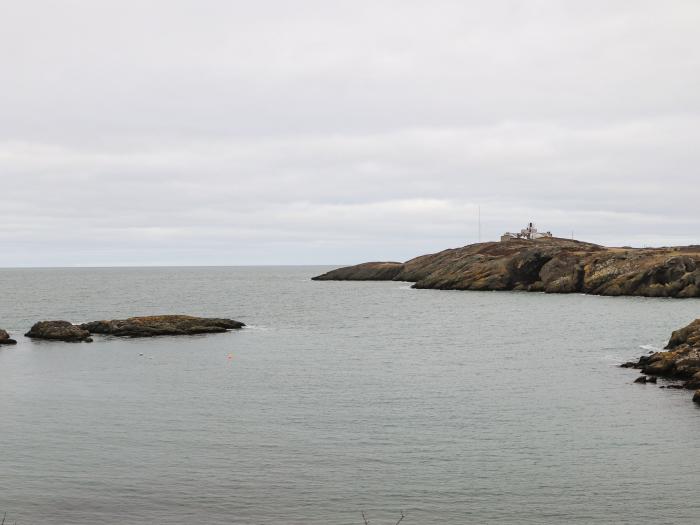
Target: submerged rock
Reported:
[(549, 265), (59, 331), (5, 338), (154, 325)]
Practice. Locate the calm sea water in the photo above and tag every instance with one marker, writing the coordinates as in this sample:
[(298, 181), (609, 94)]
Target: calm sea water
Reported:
[(455, 407)]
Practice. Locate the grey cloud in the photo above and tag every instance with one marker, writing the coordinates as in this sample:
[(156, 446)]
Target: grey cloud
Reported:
[(231, 133)]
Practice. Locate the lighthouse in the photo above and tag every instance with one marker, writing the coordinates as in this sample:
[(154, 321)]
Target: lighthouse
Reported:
[(529, 233)]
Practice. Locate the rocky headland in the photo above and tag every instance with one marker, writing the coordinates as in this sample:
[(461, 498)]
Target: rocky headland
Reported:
[(154, 325), (551, 265), (5, 338), (680, 360)]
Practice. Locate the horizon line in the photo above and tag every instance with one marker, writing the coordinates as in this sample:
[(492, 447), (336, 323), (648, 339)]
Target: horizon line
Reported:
[(87, 267)]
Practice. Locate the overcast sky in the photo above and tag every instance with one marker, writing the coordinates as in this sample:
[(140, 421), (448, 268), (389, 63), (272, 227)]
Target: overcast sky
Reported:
[(195, 132)]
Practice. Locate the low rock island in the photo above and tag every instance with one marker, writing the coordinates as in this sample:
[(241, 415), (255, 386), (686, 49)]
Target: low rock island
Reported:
[(5, 338), (681, 360), (147, 326), (546, 264), (154, 325)]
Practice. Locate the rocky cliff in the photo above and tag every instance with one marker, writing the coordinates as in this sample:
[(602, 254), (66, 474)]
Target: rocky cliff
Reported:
[(681, 360), (550, 265)]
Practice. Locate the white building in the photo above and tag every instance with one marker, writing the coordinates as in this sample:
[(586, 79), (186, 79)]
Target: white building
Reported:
[(529, 233)]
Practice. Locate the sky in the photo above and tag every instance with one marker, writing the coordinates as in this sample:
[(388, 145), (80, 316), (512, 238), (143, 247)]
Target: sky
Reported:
[(207, 132)]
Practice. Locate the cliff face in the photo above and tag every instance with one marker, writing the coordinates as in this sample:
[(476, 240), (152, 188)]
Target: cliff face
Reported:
[(545, 265)]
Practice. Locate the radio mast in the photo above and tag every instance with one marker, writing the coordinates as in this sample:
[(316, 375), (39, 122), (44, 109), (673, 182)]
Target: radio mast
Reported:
[(479, 213)]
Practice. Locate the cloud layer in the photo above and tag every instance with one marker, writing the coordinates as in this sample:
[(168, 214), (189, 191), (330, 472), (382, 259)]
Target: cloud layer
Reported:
[(221, 132)]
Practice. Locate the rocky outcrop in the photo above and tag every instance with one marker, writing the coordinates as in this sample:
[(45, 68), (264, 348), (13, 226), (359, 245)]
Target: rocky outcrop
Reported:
[(549, 265), (59, 331), (371, 271), (148, 326), (5, 338), (680, 360), (154, 325)]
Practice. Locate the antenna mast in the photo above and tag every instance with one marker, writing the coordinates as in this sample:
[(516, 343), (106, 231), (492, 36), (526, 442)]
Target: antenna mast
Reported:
[(479, 212)]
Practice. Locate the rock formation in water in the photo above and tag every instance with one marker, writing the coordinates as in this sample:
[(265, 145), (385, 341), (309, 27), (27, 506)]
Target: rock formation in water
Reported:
[(681, 360), (5, 338), (550, 265), (371, 271), (59, 331), (161, 325)]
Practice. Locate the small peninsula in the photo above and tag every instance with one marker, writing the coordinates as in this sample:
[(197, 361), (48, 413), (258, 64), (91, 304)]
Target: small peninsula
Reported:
[(542, 263)]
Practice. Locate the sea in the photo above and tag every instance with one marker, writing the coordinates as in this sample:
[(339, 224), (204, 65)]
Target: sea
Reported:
[(338, 399)]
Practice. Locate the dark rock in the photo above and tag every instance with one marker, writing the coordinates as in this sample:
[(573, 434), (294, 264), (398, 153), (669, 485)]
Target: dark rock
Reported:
[(693, 383), (5, 338), (644, 360), (696, 396), (651, 379), (59, 331), (641, 379), (155, 325), (524, 267)]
